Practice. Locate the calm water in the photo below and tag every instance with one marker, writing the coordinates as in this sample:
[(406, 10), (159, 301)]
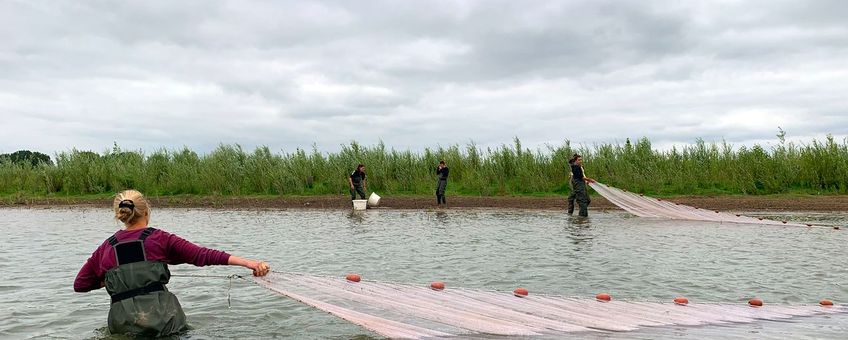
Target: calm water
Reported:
[(632, 258)]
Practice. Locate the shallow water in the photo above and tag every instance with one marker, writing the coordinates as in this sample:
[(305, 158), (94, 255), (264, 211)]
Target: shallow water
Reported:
[(546, 252)]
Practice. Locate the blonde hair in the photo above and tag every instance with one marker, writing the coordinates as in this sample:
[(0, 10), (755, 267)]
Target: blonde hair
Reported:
[(130, 206)]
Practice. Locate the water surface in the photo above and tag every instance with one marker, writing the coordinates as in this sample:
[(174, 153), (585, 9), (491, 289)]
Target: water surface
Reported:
[(545, 252)]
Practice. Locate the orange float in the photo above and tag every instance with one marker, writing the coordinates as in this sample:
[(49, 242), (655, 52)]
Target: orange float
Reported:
[(826, 303), (353, 277), (520, 292), (437, 285), (755, 302), (603, 297), (681, 301)]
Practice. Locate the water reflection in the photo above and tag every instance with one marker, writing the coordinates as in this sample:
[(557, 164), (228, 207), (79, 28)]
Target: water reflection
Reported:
[(442, 217), (580, 232), (356, 217)]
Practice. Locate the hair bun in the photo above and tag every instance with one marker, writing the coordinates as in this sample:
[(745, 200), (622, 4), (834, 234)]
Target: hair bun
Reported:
[(127, 204)]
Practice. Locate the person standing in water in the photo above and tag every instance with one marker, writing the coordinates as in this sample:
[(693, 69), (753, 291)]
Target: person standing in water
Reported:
[(442, 172), (133, 264), (571, 195), (579, 191), (357, 182)]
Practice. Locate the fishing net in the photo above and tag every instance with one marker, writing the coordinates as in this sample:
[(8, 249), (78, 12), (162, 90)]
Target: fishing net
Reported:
[(644, 206), (407, 311)]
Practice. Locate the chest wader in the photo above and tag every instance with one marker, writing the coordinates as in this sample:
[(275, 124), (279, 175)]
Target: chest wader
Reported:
[(440, 190), (571, 196), (141, 304), (582, 196)]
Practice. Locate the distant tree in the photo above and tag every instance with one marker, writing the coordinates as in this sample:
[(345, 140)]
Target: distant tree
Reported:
[(27, 157)]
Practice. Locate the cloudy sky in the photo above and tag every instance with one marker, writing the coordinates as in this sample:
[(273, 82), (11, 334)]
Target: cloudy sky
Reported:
[(152, 74)]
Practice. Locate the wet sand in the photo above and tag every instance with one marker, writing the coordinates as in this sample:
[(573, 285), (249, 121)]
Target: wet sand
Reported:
[(737, 203)]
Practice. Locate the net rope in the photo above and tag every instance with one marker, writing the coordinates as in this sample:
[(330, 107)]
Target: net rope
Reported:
[(644, 206), (406, 311)]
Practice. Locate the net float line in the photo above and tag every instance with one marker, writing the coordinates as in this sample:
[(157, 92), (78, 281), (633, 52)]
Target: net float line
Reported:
[(412, 311)]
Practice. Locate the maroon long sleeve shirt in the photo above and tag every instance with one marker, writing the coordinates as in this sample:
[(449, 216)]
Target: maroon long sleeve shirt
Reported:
[(159, 246)]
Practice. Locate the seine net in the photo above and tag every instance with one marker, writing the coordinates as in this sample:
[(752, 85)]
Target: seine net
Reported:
[(408, 311), (645, 206)]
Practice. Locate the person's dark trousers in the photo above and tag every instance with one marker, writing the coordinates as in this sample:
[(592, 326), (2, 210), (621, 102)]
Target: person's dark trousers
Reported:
[(357, 188), (440, 191), (581, 195)]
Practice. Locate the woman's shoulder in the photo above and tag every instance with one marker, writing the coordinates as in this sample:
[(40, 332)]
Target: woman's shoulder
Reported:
[(124, 234)]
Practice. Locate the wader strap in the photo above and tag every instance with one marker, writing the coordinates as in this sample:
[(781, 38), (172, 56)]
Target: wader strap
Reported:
[(153, 287), (146, 233)]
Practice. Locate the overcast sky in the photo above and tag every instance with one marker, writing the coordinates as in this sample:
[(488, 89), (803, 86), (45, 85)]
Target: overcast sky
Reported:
[(152, 74)]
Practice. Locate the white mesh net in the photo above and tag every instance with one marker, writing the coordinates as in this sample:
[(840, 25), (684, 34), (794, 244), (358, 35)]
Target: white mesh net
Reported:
[(413, 312), (644, 206)]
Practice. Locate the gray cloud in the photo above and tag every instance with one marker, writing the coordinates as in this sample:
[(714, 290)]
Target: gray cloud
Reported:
[(416, 74)]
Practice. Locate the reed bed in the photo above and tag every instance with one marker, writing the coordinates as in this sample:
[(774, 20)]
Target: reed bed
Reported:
[(819, 167)]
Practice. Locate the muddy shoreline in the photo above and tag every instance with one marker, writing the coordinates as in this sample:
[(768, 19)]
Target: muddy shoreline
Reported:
[(737, 203)]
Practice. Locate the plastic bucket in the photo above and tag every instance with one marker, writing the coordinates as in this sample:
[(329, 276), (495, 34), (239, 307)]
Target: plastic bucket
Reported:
[(373, 200), (359, 204)]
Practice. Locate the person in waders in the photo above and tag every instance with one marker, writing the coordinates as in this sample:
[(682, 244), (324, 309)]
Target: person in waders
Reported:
[(578, 187), (442, 172), (357, 182), (133, 266)]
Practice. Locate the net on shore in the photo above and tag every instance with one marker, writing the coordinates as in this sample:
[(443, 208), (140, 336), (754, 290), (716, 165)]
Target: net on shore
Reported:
[(409, 311), (644, 206)]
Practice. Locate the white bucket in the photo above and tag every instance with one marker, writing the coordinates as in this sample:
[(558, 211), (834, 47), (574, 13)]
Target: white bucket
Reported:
[(359, 204), (373, 200)]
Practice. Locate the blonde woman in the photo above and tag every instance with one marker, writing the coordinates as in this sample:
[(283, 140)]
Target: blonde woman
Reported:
[(133, 266)]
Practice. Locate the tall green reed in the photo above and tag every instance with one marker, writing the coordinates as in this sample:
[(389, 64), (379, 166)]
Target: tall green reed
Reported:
[(700, 168)]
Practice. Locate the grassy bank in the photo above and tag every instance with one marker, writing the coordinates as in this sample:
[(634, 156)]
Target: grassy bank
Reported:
[(820, 167)]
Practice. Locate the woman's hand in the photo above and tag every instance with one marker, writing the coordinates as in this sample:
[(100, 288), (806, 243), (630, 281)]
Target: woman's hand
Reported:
[(259, 268)]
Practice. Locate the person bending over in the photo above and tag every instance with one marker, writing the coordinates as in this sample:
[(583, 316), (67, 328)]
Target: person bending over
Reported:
[(357, 182), (133, 264)]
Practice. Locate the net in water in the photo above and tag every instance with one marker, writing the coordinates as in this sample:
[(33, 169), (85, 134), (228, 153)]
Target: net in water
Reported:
[(644, 206), (409, 311)]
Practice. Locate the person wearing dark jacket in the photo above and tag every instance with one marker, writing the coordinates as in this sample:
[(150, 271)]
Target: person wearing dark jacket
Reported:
[(578, 187), (357, 182), (442, 173)]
